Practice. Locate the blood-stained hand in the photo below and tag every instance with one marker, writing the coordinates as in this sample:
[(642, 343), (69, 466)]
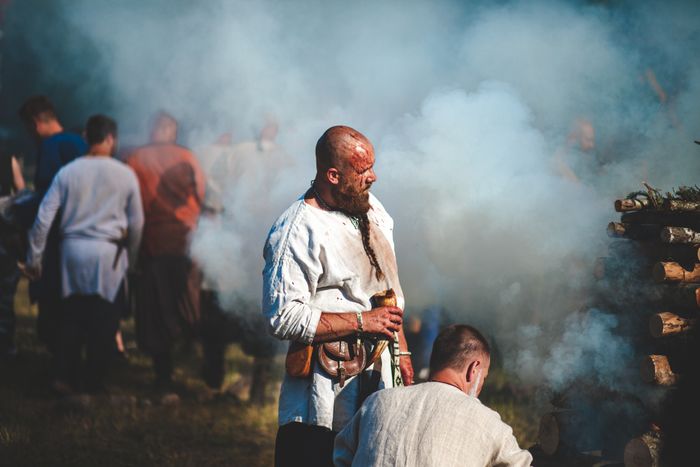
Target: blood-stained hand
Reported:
[(383, 320), (406, 368)]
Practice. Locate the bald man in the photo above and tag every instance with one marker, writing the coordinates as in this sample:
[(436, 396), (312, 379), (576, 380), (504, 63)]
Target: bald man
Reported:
[(324, 259)]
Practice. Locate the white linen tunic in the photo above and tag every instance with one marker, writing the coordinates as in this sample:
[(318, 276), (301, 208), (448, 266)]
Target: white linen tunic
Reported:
[(99, 201), (314, 263), (427, 425)]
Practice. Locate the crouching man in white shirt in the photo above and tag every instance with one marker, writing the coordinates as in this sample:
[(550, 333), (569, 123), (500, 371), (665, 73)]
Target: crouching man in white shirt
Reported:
[(437, 423)]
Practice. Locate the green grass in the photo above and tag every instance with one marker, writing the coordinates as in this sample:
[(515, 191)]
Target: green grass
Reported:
[(131, 427), (514, 403), (37, 429)]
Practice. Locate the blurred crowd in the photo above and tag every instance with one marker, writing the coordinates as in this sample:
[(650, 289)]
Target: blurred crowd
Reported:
[(104, 235)]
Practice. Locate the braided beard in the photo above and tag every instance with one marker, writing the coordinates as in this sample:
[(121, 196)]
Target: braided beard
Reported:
[(356, 204)]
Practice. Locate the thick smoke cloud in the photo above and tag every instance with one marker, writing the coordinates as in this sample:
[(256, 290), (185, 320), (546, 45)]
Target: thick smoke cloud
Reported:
[(467, 104)]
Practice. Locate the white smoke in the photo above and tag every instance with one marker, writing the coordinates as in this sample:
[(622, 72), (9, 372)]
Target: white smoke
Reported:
[(467, 104), (589, 349)]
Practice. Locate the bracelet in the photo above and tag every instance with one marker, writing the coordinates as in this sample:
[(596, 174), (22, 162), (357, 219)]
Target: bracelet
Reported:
[(360, 323)]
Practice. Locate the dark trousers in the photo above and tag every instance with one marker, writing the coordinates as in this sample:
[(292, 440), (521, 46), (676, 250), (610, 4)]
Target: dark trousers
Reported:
[(301, 444), (46, 292), (247, 327), (48, 322), (90, 322), (9, 275)]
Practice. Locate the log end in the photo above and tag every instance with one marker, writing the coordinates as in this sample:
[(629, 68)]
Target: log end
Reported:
[(656, 369), (668, 324), (656, 325), (627, 205), (616, 230), (658, 272)]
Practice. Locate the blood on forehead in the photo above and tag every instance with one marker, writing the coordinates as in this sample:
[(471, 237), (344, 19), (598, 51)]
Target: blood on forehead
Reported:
[(357, 152)]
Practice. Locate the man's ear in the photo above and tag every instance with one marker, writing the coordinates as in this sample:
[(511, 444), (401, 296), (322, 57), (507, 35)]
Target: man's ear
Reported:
[(333, 175), (471, 370)]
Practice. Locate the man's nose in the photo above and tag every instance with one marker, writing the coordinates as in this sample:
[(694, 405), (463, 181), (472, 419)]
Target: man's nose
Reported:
[(372, 177)]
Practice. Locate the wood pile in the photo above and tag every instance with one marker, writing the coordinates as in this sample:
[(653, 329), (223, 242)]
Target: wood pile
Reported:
[(650, 278)]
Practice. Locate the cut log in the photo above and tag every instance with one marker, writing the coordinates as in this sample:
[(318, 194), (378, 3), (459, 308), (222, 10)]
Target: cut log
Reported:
[(656, 369), (617, 229), (669, 324), (644, 451), (680, 205), (673, 272), (680, 235), (653, 216), (633, 231), (625, 205), (567, 428)]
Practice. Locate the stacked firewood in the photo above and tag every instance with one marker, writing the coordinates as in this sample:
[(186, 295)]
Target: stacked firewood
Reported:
[(653, 262)]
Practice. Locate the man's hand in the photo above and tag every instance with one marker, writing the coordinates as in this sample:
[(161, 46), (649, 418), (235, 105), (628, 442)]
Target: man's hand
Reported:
[(32, 273), (384, 320), (406, 368)]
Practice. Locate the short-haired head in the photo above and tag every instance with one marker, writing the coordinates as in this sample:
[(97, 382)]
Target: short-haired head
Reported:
[(39, 116), (337, 146), (37, 108), (164, 128), (457, 346), (98, 128)]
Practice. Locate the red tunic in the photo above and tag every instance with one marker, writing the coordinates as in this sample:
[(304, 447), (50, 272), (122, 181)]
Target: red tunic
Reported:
[(172, 190)]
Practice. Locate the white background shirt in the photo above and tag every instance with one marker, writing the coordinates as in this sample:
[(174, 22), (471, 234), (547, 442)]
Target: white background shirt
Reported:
[(314, 263), (429, 424), (99, 201)]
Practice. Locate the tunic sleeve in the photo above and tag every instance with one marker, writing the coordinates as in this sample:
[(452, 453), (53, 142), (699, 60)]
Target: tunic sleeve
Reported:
[(286, 305), (508, 453), (289, 281), (199, 180), (42, 224)]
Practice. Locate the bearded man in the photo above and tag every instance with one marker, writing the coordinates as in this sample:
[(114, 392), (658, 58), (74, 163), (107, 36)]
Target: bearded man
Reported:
[(325, 258)]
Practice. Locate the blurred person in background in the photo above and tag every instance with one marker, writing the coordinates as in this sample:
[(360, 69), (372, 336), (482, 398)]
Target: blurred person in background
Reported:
[(101, 217), (167, 289), (576, 160), (56, 148), (11, 182)]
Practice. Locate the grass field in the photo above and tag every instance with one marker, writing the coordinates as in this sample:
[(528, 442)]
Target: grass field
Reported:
[(131, 427)]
